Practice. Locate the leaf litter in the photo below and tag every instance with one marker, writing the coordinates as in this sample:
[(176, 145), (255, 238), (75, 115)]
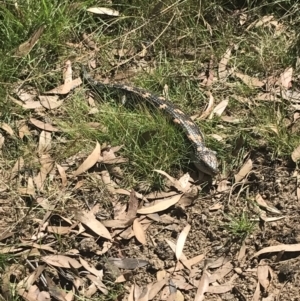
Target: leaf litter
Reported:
[(140, 215)]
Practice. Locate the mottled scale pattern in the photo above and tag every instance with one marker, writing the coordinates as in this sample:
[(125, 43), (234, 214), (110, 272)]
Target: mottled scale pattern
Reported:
[(204, 158)]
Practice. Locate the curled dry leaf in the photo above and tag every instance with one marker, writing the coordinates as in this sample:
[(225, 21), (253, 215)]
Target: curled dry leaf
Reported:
[(181, 241), (103, 11), (245, 169), (161, 206), (90, 161), (139, 232), (88, 219)]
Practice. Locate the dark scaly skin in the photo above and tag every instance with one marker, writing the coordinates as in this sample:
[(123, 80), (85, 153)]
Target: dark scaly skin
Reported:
[(204, 158)]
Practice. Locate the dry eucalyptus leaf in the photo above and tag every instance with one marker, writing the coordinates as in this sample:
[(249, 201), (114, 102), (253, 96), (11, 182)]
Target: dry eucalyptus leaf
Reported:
[(103, 11), (263, 274), (222, 67), (296, 154), (245, 169), (220, 108), (88, 219), (47, 164), (161, 206), (203, 286), (65, 88), (44, 142), (181, 241), (26, 47), (209, 107), (261, 202), (285, 78), (139, 232), (182, 184), (2, 140), (267, 97), (50, 101), (43, 125), (250, 81), (61, 261), (90, 161), (62, 174), (278, 248), (7, 129)]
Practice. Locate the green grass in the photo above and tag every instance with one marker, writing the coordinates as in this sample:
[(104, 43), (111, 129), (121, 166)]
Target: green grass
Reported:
[(239, 226)]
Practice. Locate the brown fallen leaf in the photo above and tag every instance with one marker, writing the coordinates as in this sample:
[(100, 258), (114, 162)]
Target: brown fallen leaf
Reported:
[(250, 81), (209, 108), (47, 164), (182, 184), (263, 274), (26, 47), (221, 272), (99, 284), (156, 287), (222, 67), (220, 108), (43, 125), (62, 174), (44, 142), (17, 168), (50, 102), (88, 219), (296, 154), (90, 161), (203, 286), (181, 241), (139, 232), (24, 131), (244, 170), (278, 248), (220, 289), (65, 88), (161, 206), (285, 78), (7, 129), (61, 261)]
